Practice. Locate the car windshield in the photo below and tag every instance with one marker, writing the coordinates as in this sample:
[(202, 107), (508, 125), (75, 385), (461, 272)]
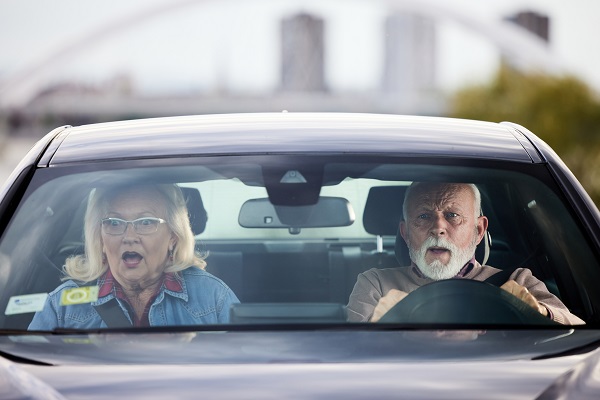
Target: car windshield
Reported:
[(285, 240)]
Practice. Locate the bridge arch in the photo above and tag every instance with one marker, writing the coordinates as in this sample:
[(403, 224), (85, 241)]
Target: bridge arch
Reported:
[(521, 49)]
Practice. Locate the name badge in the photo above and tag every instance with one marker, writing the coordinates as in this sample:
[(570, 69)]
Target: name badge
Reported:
[(26, 303)]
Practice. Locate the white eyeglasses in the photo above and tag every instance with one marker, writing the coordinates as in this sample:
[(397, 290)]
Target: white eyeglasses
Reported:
[(142, 226)]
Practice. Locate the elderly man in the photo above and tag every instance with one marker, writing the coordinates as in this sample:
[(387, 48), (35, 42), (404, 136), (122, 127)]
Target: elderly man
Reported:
[(442, 226)]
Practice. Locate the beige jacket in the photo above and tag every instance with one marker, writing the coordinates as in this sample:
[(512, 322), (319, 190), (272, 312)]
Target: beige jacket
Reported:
[(375, 283)]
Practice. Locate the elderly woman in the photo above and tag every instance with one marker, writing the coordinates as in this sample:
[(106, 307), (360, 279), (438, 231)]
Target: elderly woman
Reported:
[(140, 267)]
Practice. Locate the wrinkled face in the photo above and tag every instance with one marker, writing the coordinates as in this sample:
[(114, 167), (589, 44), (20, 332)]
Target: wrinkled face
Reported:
[(138, 260), (441, 228)]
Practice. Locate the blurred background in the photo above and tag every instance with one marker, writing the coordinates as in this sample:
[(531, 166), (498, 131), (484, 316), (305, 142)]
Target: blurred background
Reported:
[(533, 62)]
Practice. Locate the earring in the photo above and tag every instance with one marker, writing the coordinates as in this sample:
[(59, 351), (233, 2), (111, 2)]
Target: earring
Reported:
[(170, 253)]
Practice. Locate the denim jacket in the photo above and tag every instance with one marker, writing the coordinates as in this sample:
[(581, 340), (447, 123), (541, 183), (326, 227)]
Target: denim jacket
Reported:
[(205, 299)]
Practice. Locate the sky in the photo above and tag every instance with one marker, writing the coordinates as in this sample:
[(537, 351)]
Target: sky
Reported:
[(214, 45)]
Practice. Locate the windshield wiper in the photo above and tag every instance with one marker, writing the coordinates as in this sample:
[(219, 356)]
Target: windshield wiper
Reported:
[(23, 360), (16, 358), (586, 348)]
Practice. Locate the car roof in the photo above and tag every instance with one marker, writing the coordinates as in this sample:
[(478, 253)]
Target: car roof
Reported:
[(288, 132)]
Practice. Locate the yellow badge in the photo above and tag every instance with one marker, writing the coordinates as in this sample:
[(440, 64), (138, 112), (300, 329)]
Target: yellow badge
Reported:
[(79, 295)]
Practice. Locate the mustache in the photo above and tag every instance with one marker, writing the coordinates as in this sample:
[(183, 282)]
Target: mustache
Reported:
[(439, 242)]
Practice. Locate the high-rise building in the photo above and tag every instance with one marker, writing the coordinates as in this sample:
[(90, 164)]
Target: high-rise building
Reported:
[(410, 60), (302, 54)]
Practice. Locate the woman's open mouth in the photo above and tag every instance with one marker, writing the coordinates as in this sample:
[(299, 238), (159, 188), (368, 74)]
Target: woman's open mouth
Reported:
[(131, 258)]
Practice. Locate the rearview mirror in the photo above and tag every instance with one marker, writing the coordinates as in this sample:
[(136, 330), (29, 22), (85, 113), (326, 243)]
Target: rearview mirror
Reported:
[(327, 212)]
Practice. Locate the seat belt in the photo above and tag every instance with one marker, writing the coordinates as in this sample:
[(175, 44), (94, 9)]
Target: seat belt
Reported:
[(500, 277), (112, 314)]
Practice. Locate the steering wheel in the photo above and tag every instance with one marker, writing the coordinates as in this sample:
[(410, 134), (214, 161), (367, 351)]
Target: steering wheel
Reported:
[(463, 301)]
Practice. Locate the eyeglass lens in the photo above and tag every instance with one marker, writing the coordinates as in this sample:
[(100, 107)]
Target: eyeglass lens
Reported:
[(117, 226)]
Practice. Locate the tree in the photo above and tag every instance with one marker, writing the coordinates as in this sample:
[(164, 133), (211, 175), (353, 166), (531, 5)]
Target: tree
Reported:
[(561, 110)]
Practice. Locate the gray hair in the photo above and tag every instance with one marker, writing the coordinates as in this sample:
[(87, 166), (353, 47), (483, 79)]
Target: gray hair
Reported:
[(90, 266), (474, 188)]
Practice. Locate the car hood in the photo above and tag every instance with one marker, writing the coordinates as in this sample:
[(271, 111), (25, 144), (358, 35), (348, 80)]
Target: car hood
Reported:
[(418, 364), (557, 378)]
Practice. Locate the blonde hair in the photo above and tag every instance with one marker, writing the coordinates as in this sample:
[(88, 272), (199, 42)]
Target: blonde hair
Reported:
[(90, 266)]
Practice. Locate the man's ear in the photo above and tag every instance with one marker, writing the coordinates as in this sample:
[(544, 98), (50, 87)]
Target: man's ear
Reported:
[(482, 225), (403, 230)]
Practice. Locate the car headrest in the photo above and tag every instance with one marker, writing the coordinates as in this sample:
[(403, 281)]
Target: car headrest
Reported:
[(196, 210), (383, 210)]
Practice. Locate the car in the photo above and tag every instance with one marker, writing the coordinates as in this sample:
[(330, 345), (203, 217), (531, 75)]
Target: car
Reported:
[(289, 210)]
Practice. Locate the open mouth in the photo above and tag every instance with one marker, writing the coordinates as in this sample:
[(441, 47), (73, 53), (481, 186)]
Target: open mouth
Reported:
[(438, 250), (131, 258)]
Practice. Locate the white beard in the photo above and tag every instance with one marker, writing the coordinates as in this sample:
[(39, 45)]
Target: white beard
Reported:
[(438, 270)]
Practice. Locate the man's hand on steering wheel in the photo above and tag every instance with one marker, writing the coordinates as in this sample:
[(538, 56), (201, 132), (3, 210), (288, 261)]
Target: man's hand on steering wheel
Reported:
[(394, 296), (521, 293), (386, 303)]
